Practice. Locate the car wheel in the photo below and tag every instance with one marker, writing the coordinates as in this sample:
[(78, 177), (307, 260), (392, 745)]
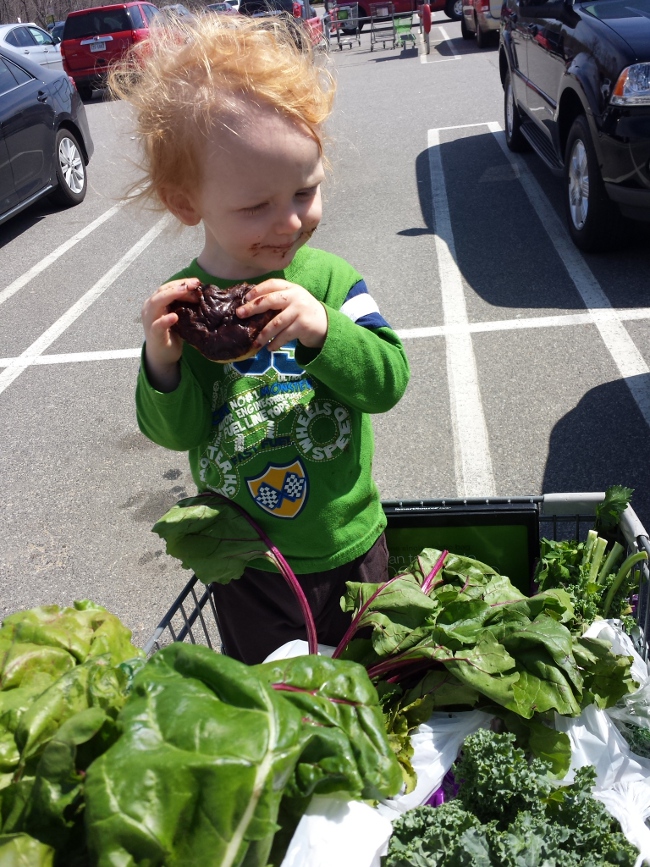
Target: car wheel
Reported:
[(595, 223), (70, 170), (465, 32), (454, 10), (514, 137)]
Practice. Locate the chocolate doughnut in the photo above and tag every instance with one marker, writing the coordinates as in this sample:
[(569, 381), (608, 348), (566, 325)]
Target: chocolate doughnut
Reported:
[(212, 326)]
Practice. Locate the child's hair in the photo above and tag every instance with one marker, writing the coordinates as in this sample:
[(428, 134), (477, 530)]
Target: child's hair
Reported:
[(181, 82)]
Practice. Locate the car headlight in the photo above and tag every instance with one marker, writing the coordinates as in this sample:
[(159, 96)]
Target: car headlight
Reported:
[(633, 86)]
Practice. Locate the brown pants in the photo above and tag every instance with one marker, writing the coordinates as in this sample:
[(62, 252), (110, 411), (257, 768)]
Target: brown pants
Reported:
[(259, 612)]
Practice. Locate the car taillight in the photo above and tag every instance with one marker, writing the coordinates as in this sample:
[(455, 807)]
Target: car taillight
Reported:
[(72, 82), (297, 10)]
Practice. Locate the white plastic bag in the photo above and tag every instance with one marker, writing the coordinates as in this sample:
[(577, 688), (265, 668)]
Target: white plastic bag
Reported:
[(435, 747), (337, 833)]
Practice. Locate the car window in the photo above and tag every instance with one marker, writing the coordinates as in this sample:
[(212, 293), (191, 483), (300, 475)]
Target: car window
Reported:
[(20, 37), (19, 73), (150, 12), (39, 36), (617, 9), (136, 18), (96, 23), (7, 81)]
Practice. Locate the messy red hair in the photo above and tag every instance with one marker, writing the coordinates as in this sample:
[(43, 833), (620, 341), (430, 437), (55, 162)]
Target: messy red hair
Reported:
[(181, 82)]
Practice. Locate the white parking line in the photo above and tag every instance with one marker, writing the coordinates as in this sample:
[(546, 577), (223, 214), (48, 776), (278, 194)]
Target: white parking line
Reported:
[(18, 284), (472, 460), (27, 358), (425, 332), (629, 361)]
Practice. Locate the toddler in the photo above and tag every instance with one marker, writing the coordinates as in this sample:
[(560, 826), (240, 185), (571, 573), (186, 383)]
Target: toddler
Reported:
[(231, 117)]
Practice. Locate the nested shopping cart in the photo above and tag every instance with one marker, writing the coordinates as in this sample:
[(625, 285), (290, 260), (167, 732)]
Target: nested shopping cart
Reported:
[(344, 25), (382, 24), (503, 532)]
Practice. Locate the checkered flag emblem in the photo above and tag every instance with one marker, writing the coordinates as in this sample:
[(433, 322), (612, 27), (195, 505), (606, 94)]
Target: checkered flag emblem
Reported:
[(281, 490), (293, 486), (268, 497)]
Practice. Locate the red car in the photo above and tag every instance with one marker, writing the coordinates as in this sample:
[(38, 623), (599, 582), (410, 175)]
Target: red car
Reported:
[(92, 38), (453, 9)]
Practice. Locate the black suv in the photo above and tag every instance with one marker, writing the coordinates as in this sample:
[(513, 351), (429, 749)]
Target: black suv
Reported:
[(576, 80)]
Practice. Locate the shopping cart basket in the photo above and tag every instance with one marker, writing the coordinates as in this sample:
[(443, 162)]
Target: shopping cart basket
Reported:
[(503, 532)]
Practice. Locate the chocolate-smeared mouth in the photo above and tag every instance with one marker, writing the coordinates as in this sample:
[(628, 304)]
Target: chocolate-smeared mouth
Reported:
[(212, 326)]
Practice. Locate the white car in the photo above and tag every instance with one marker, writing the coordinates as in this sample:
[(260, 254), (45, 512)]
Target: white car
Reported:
[(32, 42)]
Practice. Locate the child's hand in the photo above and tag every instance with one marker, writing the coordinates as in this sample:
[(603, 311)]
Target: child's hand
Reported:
[(301, 317), (163, 346)]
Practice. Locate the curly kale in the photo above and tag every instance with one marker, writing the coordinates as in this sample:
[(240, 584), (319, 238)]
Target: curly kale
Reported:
[(510, 813)]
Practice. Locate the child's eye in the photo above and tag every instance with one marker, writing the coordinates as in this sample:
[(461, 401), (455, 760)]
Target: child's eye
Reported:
[(309, 193), (255, 209)]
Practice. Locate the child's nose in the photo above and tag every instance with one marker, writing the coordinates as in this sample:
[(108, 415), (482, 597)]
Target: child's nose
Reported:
[(290, 222)]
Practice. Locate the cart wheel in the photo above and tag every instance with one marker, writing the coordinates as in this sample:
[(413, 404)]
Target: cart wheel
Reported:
[(426, 17)]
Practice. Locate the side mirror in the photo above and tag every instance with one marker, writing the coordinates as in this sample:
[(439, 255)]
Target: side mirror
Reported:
[(55, 40)]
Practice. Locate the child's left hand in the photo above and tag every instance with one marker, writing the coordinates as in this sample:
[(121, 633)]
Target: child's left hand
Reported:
[(300, 317)]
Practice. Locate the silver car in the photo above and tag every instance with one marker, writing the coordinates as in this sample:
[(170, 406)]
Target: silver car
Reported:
[(32, 43), (483, 18)]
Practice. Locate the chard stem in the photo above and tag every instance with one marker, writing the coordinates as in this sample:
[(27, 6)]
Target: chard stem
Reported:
[(596, 558), (285, 570), (356, 620), (592, 535), (621, 575), (612, 559), (428, 581)]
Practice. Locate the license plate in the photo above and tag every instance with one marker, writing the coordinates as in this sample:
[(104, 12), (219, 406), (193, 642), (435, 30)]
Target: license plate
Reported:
[(98, 46)]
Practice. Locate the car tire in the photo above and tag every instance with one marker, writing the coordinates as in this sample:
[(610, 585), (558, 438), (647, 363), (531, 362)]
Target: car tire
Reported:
[(454, 10), (465, 32), (595, 222), (481, 37), (514, 137), (70, 170)]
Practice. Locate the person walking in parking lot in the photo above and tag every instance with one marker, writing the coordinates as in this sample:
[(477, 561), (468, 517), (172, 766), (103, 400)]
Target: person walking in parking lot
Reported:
[(231, 122)]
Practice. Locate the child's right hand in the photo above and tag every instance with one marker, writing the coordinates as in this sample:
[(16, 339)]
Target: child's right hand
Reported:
[(164, 347)]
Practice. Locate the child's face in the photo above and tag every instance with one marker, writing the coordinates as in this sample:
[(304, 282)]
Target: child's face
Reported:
[(260, 199)]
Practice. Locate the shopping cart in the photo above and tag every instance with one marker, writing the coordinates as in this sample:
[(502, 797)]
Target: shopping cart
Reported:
[(344, 25), (503, 532), (382, 24)]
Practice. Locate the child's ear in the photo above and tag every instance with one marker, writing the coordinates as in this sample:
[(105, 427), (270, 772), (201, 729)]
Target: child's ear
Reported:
[(181, 206)]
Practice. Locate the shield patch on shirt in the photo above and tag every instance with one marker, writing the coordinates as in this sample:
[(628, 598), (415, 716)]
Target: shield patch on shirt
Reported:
[(281, 490)]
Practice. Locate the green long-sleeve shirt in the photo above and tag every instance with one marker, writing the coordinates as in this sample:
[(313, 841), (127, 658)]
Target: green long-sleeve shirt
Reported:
[(287, 434)]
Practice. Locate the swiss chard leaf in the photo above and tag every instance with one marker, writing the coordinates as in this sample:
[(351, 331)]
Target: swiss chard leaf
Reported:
[(210, 537)]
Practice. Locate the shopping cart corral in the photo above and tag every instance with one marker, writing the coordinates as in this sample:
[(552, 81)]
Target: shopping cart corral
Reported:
[(502, 532)]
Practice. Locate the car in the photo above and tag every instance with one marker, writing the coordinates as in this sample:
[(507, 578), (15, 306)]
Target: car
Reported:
[(313, 23), (576, 81), (45, 142), (176, 11), (221, 7), (32, 42), (483, 19), (94, 38), (56, 30)]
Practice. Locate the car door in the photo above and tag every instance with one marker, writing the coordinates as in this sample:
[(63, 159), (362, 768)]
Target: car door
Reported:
[(21, 40), (546, 66), (8, 197), (28, 131), (514, 27), (51, 53)]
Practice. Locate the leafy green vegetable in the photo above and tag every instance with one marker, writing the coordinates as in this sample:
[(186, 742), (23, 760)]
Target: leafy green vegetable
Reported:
[(509, 813), (64, 677), (21, 850), (216, 538), (511, 650), (609, 512), (210, 747), (589, 571)]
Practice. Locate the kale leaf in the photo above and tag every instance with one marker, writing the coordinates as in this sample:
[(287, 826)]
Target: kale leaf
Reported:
[(510, 813)]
